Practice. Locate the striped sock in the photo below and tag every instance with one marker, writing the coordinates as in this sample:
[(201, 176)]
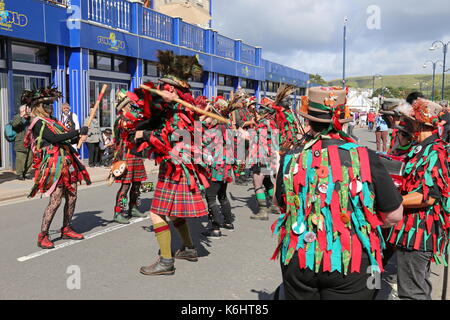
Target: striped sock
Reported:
[(162, 233), (183, 230)]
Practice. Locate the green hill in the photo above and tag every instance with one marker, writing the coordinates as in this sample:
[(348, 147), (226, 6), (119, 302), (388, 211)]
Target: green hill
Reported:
[(410, 81)]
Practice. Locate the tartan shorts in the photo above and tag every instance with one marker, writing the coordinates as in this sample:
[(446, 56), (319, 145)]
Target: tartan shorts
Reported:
[(176, 199), (135, 171)]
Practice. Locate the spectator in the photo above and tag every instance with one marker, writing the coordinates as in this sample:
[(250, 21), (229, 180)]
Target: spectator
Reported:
[(363, 120), (352, 125), (370, 120), (24, 157), (93, 141), (107, 148), (69, 119), (381, 133)]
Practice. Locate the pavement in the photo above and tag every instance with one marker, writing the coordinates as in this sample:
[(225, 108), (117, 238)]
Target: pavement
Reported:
[(106, 264), (12, 188)]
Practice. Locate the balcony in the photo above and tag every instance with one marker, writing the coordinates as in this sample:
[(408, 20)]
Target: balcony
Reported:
[(133, 17), (60, 2)]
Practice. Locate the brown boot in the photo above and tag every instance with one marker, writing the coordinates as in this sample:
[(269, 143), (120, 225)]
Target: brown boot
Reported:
[(160, 267)]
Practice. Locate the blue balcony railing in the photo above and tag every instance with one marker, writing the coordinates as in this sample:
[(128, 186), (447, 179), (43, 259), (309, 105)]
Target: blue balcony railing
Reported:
[(157, 25), (192, 37), (224, 46), (114, 13), (133, 17), (248, 54)]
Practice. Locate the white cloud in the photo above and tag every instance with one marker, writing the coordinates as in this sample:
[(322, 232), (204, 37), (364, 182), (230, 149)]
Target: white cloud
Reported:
[(307, 34)]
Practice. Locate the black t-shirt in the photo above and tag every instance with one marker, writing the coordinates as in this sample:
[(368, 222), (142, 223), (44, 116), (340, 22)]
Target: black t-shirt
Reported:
[(387, 196)]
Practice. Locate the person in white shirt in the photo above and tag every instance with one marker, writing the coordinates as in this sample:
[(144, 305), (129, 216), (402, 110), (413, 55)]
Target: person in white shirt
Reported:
[(69, 119)]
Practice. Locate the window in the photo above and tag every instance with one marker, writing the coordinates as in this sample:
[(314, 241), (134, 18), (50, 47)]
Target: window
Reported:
[(92, 60), (120, 64), (104, 62), (29, 53), (150, 69), (224, 80), (247, 84)]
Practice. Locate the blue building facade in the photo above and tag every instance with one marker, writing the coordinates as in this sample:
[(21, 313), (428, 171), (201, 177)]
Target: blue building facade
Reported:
[(79, 45)]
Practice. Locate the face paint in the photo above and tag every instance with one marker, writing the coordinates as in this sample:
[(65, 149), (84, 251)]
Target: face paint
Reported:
[(48, 108)]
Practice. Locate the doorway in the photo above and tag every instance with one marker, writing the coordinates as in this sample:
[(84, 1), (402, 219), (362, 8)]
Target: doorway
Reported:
[(107, 110)]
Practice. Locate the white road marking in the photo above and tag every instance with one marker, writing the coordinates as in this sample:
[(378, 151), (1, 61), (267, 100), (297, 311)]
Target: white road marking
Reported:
[(72, 242)]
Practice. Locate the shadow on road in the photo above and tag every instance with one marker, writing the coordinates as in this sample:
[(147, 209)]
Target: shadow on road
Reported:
[(86, 221), (249, 202), (278, 294), (7, 176)]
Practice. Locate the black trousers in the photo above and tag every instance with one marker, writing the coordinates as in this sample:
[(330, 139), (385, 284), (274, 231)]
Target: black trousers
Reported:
[(304, 284), (94, 153), (218, 190), (413, 274)]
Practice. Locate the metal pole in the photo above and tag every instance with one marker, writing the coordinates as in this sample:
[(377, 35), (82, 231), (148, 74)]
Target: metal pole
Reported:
[(432, 87), (343, 64), (443, 70)]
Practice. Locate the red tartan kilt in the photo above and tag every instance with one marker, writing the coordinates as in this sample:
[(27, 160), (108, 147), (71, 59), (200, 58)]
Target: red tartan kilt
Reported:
[(135, 171), (175, 199)]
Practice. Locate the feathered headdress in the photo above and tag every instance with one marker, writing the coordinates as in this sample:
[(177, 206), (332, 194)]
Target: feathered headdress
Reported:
[(44, 95), (422, 110), (283, 92), (177, 70)]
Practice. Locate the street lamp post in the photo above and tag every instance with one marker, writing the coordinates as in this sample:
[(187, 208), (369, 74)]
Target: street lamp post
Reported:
[(434, 64), (344, 49), (445, 49), (373, 85)]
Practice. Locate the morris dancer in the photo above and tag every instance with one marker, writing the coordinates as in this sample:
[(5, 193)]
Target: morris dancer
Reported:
[(423, 235), (221, 165), (134, 174), (180, 181), (335, 196), (57, 164)]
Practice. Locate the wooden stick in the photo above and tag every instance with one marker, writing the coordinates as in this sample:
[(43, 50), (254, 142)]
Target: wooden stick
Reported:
[(94, 111), (189, 106)]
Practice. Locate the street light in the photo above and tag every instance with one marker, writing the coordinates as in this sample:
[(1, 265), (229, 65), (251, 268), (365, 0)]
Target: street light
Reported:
[(434, 64), (435, 46), (343, 64), (420, 84)]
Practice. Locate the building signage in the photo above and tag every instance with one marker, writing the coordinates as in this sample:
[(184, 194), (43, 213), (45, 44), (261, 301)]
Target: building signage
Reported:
[(10, 19), (111, 42)]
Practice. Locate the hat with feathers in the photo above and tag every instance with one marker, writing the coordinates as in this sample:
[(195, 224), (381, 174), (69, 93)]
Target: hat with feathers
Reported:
[(177, 69), (46, 95), (422, 110)]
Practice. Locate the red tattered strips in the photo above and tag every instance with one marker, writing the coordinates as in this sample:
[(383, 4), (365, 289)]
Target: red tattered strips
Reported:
[(356, 254), (364, 163), (335, 161)]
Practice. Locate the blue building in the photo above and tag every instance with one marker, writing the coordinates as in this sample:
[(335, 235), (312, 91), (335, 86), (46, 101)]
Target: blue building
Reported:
[(78, 45)]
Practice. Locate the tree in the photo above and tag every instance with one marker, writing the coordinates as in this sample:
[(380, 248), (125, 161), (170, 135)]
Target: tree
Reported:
[(317, 78)]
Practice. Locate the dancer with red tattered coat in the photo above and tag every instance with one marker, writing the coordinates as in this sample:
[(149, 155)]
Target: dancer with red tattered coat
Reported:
[(57, 164)]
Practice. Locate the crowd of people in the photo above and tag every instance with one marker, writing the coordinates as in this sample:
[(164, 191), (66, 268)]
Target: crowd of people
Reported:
[(341, 213)]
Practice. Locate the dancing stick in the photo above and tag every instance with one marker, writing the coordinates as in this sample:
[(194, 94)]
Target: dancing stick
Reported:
[(189, 106), (93, 112)]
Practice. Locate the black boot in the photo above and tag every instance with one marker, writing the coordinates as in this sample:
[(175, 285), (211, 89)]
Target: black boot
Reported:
[(160, 267), (189, 254)]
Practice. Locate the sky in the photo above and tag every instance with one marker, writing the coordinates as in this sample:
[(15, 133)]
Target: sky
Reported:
[(387, 37)]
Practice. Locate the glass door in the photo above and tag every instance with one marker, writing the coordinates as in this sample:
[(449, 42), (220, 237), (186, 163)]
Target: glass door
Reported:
[(107, 109)]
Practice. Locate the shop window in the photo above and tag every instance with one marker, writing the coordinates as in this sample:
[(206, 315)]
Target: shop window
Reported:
[(92, 60), (120, 64), (104, 62), (29, 53), (248, 84), (224, 80), (151, 69)]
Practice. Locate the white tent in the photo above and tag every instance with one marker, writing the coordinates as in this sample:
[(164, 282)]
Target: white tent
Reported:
[(360, 100)]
